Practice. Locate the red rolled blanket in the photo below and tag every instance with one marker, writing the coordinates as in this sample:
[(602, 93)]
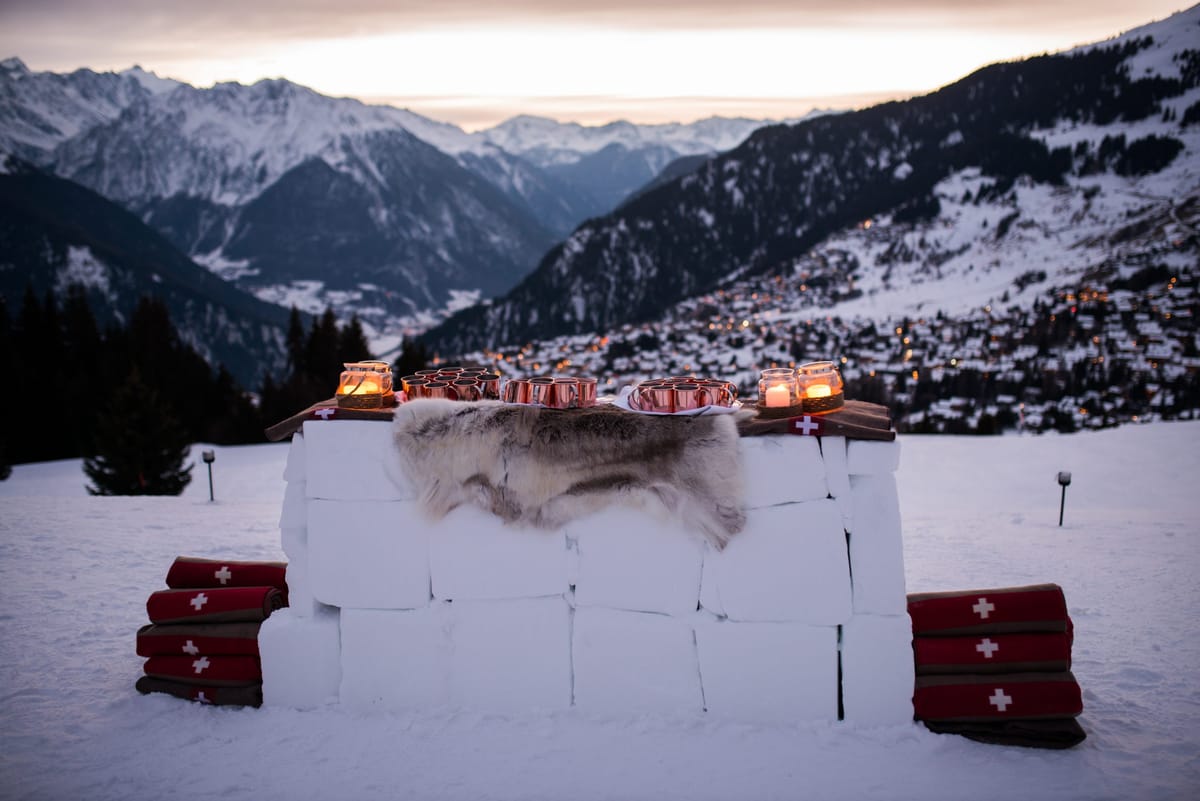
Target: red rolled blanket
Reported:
[(216, 671), (993, 653), (216, 605), (249, 695), (1017, 696), (183, 639), (1039, 607), (192, 571)]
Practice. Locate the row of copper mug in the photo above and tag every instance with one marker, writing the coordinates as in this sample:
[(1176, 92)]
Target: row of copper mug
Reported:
[(455, 383), (551, 392), (683, 394)]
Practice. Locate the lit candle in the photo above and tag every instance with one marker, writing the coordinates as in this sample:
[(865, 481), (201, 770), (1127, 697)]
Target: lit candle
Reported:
[(366, 387), (779, 396), (819, 391)]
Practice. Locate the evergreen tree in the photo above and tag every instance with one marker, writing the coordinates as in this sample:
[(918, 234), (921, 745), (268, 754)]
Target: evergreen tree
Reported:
[(352, 342), (139, 446), (413, 357), (296, 343)]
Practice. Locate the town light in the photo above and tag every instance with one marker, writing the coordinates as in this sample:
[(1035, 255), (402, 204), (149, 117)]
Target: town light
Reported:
[(366, 385)]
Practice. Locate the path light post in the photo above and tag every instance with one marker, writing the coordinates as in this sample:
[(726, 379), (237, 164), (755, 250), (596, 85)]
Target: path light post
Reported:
[(209, 457), (1064, 479)]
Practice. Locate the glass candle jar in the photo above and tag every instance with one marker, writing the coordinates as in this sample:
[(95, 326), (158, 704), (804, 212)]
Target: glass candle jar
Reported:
[(365, 385), (777, 388), (820, 387)]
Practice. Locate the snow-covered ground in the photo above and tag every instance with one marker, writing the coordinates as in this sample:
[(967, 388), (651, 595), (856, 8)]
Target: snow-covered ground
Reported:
[(75, 572)]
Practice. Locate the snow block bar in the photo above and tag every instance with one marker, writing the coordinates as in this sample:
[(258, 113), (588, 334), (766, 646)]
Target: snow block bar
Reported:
[(622, 612)]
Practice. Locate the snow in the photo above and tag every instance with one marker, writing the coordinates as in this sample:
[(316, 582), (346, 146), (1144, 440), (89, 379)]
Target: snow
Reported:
[(82, 267), (75, 572)]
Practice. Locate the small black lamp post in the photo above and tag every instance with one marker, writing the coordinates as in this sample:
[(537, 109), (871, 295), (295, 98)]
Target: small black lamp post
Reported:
[(1064, 479), (209, 457)]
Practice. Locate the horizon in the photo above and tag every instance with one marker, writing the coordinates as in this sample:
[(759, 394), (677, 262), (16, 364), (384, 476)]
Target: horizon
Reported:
[(475, 65)]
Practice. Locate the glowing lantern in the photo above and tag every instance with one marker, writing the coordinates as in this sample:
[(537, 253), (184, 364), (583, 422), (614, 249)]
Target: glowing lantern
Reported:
[(820, 387), (366, 385), (777, 388)]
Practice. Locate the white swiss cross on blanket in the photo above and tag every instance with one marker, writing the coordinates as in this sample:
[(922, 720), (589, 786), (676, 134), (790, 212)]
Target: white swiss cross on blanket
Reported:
[(223, 575), (324, 414), (806, 426), (1000, 699), (199, 601)]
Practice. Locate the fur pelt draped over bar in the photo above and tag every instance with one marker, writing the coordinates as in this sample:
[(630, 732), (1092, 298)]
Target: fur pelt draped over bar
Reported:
[(545, 467)]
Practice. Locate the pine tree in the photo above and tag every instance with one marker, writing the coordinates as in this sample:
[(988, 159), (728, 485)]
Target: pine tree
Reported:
[(139, 446), (352, 342)]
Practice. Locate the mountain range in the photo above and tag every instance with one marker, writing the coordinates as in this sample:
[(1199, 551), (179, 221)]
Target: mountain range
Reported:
[(309, 200), (1015, 177)]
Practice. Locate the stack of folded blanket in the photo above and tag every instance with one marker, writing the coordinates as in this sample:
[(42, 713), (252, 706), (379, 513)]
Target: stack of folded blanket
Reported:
[(202, 640), (995, 665)]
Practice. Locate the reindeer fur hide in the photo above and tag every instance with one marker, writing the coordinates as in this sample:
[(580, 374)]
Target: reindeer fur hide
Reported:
[(545, 467)]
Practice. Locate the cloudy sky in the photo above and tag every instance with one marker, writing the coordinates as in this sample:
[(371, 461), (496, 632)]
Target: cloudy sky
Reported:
[(476, 62)]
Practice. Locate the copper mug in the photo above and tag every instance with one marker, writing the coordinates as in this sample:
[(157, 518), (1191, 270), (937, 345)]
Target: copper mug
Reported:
[(685, 396), (516, 390), (566, 393), (587, 392), (414, 386), (712, 392), (489, 385), (467, 389), (655, 396), (541, 391), (439, 389)]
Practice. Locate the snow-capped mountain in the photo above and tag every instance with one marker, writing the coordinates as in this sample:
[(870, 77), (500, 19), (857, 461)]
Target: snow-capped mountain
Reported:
[(40, 110), (605, 164), (306, 199), (297, 196), (1024, 167), (547, 142)]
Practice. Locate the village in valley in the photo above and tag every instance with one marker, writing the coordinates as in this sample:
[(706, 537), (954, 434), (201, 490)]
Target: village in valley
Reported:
[(1120, 346)]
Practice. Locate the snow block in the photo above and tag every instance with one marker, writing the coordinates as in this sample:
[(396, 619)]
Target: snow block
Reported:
[(634, 662), (630, 560), (353, 460), (779, 672), (710, 594), (473, 555), (876, 547), (789, 564), (837, 475), (368, 554), (511, 655), (877, 670), (294, 470), (782, 469), (300, 594), (295, 506), (300, 664), (870, 458), (395, 660), (294, 539)]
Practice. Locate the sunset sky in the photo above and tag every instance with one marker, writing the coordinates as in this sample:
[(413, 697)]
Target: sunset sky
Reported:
[(477, 62)]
